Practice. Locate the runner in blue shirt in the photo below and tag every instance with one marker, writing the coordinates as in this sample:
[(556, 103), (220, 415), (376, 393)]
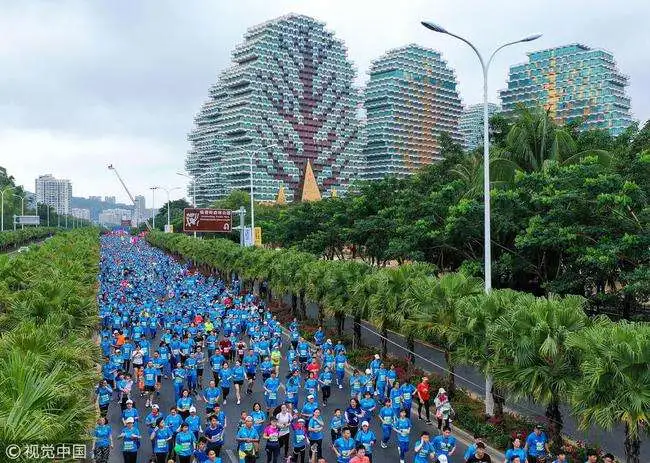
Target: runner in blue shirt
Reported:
[(210, 396), (407, 390), (248, 440), (315, 428), (516, 450), (366, 437), (178, 376), (368, 405), (225, 381), (537, 443), (423, 448), (444, 444), (238, 377), (344, 446), (387, 417), (402, 428), (271, 387), (325, 381), (184, 444), (194, 423), (160, 438), (214, 433), (130, 441), (259, 417), (102, 440), (104, 393)]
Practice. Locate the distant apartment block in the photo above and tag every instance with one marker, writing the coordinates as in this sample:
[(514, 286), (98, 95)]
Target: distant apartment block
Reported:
[(56, 193), (573, 82), (471, 124), (79, 213), (410, 101)]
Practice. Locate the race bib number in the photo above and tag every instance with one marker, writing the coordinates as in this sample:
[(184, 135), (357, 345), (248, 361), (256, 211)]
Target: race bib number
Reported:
[(407, 396), (161, 443), (387, 420), (129, 445), (149, 377), (272, 396), (539, 446), (104, 398), (300, 438)]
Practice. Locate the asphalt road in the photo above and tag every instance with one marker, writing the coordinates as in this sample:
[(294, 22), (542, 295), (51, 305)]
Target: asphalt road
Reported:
[(338, 400)]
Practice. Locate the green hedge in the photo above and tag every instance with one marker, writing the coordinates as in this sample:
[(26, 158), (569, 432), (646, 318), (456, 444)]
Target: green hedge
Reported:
[(10, 239), (48, 360)]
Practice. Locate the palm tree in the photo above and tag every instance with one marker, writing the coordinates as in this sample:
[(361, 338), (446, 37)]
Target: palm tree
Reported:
[(470, 172), (318, 284), (478, 315), (533, 359), (389, 303), (342, 278), (359, 303), (436, 311), (535, 139), (615, 379)]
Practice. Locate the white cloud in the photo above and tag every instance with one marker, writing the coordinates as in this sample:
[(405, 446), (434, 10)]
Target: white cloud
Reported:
[(142, 162)]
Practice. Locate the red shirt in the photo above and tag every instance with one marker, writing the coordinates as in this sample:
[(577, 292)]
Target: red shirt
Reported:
[(423, 390)]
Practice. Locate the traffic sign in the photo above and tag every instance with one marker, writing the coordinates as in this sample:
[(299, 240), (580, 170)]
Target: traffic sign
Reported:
[(27, 220), (207, 220)]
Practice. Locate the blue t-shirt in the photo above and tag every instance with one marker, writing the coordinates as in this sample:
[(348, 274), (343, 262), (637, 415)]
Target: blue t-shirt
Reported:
[(185, 442), (102, 434), (422, 455), (247, 433), (130, 441), (387, 415), (511, 453), (443, 445), (403, 428), (160, 440), (317, 424), (367, 438), (345, 448), (536, 443), (217, 433)]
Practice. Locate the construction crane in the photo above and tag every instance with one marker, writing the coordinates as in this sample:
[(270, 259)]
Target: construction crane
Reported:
[(110, 167)]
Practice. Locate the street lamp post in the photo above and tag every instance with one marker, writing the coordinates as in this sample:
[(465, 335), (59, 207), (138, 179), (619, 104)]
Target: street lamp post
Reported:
[(194, 179), (168, 190), (153, 206), (2, 207), (22, 209), (485, 65), (252, 156)]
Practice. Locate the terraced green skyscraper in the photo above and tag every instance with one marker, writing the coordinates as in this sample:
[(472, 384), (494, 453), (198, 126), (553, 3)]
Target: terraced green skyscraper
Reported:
[(410, 100), (573, 82), (288, 99)]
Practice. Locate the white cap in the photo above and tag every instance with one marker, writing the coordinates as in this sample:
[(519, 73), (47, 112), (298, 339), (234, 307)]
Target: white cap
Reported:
[(441, 391), (155, 406), (310, 396), (442, 458), (368, 371), (129, 401), (377, 356), (365, 423), (192, 409), (129, 420)]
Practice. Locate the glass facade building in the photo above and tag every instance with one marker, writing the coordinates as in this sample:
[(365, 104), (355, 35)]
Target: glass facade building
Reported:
[(573, 82), (287, 99), (410, 100), (471, 124)]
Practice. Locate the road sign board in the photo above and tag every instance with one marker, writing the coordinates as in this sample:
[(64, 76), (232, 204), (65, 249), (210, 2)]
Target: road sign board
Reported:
[(27, 220), (257, 236), (207, 220), (126, 223)]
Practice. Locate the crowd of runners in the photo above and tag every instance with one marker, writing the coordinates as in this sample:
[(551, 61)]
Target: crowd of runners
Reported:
[(165, 328)]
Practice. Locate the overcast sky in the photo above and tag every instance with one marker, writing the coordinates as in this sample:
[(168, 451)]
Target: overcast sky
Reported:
[(87, 83)]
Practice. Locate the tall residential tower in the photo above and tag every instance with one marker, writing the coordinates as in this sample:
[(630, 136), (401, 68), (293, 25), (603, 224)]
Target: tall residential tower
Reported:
[(56, 193), (573, 82), (471, 124), (410, 100), (286, 102)]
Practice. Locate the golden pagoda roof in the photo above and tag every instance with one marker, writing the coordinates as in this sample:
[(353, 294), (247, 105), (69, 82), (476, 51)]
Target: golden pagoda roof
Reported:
[(281, 199), (310, 191)]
